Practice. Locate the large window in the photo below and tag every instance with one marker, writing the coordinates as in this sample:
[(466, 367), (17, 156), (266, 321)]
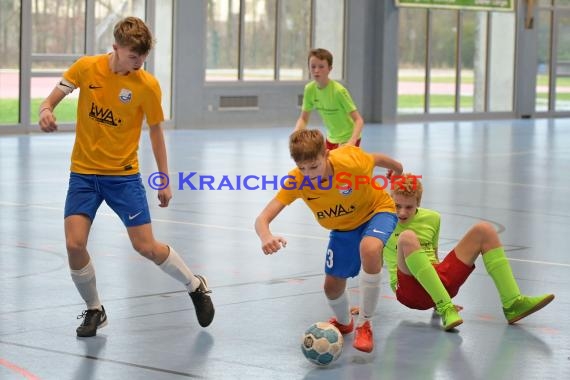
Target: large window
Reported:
[(107, 13), (443, 62), (562, 89), (553, 66), (328, 32), (162, 68), (455, 61), (412, 60), (267, 40), (295, 35), (259, 40), (9, 62), (53, 34), (58, 39)]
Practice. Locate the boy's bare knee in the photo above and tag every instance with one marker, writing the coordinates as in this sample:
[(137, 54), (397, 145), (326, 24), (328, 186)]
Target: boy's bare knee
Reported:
[(408, 241), (332, 293), (485, 229), (407, 236), (75, 247), (145, 249), (333, 288)]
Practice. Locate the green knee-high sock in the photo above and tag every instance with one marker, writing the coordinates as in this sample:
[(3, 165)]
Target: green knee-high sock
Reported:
[(423, 270), (500, 271)]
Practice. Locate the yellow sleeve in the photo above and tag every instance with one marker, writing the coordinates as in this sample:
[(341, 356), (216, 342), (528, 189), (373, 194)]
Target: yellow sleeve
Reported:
[(289, 192)]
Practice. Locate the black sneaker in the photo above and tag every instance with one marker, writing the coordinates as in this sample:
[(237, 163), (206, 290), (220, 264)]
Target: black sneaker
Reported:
[(202, 302), (92, 320)]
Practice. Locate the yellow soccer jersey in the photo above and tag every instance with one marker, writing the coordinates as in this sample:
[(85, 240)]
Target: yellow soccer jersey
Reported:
[(341, 204), (110, 112)]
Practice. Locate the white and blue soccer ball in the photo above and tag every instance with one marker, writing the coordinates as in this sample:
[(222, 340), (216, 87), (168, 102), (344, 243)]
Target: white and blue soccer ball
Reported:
[(322, 343)]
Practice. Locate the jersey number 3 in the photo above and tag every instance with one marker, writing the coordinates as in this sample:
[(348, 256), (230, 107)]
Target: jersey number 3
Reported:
[(329, 260)]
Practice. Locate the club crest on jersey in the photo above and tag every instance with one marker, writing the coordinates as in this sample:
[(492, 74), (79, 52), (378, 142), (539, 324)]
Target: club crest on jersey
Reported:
[(125, 95), (345, 191)]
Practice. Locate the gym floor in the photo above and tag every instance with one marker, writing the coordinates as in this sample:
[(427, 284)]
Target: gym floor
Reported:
[(511, 173)]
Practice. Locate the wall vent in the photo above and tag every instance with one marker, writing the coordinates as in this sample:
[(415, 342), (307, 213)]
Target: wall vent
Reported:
[(239, 102)]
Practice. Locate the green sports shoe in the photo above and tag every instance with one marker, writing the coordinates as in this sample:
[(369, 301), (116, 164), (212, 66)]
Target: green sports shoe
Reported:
[(450, 318), (525, 305)]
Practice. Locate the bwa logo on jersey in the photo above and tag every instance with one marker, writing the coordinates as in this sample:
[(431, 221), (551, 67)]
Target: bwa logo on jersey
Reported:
[(103, 115), (125, 95), (335, 211)]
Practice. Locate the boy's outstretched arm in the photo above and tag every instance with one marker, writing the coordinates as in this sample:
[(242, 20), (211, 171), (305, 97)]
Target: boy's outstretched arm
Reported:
[(358, 126), (46, 118), (302, 121), (269, 243), (384, 161), (159, 150)]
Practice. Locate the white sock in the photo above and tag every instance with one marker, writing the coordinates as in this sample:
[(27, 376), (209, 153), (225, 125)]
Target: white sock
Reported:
[(340, 308), (177, 269), (86, 284), (369, 295)]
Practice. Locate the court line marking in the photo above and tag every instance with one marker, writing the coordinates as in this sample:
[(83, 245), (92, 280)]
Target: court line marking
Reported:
[(228, 228), (91, 357), (19, 370)]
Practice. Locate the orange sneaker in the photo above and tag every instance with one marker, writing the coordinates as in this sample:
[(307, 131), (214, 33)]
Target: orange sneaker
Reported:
[(344, 329), (363, 338)]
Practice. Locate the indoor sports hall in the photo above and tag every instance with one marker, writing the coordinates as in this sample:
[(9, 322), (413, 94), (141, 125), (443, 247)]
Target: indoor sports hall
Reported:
[(474, 98)]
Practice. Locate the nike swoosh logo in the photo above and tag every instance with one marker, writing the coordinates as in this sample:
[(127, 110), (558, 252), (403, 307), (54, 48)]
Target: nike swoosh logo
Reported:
[(64, 85), (378, 231), (93, 87), (131, 217), (312, 198)]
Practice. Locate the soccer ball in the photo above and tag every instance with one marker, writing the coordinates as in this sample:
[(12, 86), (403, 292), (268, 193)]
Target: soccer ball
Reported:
[(322, 343)]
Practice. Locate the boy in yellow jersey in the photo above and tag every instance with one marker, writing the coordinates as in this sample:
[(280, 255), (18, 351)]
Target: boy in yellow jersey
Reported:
[(333, 102), (116, 94), (421, 282), (360, 217)]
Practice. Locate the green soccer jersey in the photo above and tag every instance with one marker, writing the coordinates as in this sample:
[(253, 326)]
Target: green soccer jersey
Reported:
[(426, 226), (334, 104)]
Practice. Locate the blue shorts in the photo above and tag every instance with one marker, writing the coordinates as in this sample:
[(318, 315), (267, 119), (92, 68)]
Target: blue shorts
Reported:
[(124, 194), (343, 253)]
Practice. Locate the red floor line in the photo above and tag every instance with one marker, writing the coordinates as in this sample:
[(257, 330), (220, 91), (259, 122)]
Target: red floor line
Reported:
[(15, 368)]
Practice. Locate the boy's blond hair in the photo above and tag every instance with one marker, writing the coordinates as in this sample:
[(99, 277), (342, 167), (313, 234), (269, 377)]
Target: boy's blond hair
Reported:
[(408, 185), (133, 33), (306, 145), (322, 54)]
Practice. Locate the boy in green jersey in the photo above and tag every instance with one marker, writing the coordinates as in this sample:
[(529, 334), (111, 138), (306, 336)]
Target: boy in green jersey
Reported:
[(333, 102), (421, 282)]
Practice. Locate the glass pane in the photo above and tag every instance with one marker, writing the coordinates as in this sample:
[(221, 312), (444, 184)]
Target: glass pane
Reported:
[(58, 27), (66, 110), (295, 23), (163, 53), (412, 58), (9, 62), (562, 91), (107, 13), (329, 32), (502, 61), (562, 2), (53, 64), (259, 40), (443, 61), (222, 40), (473, 62), (543, 25)]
